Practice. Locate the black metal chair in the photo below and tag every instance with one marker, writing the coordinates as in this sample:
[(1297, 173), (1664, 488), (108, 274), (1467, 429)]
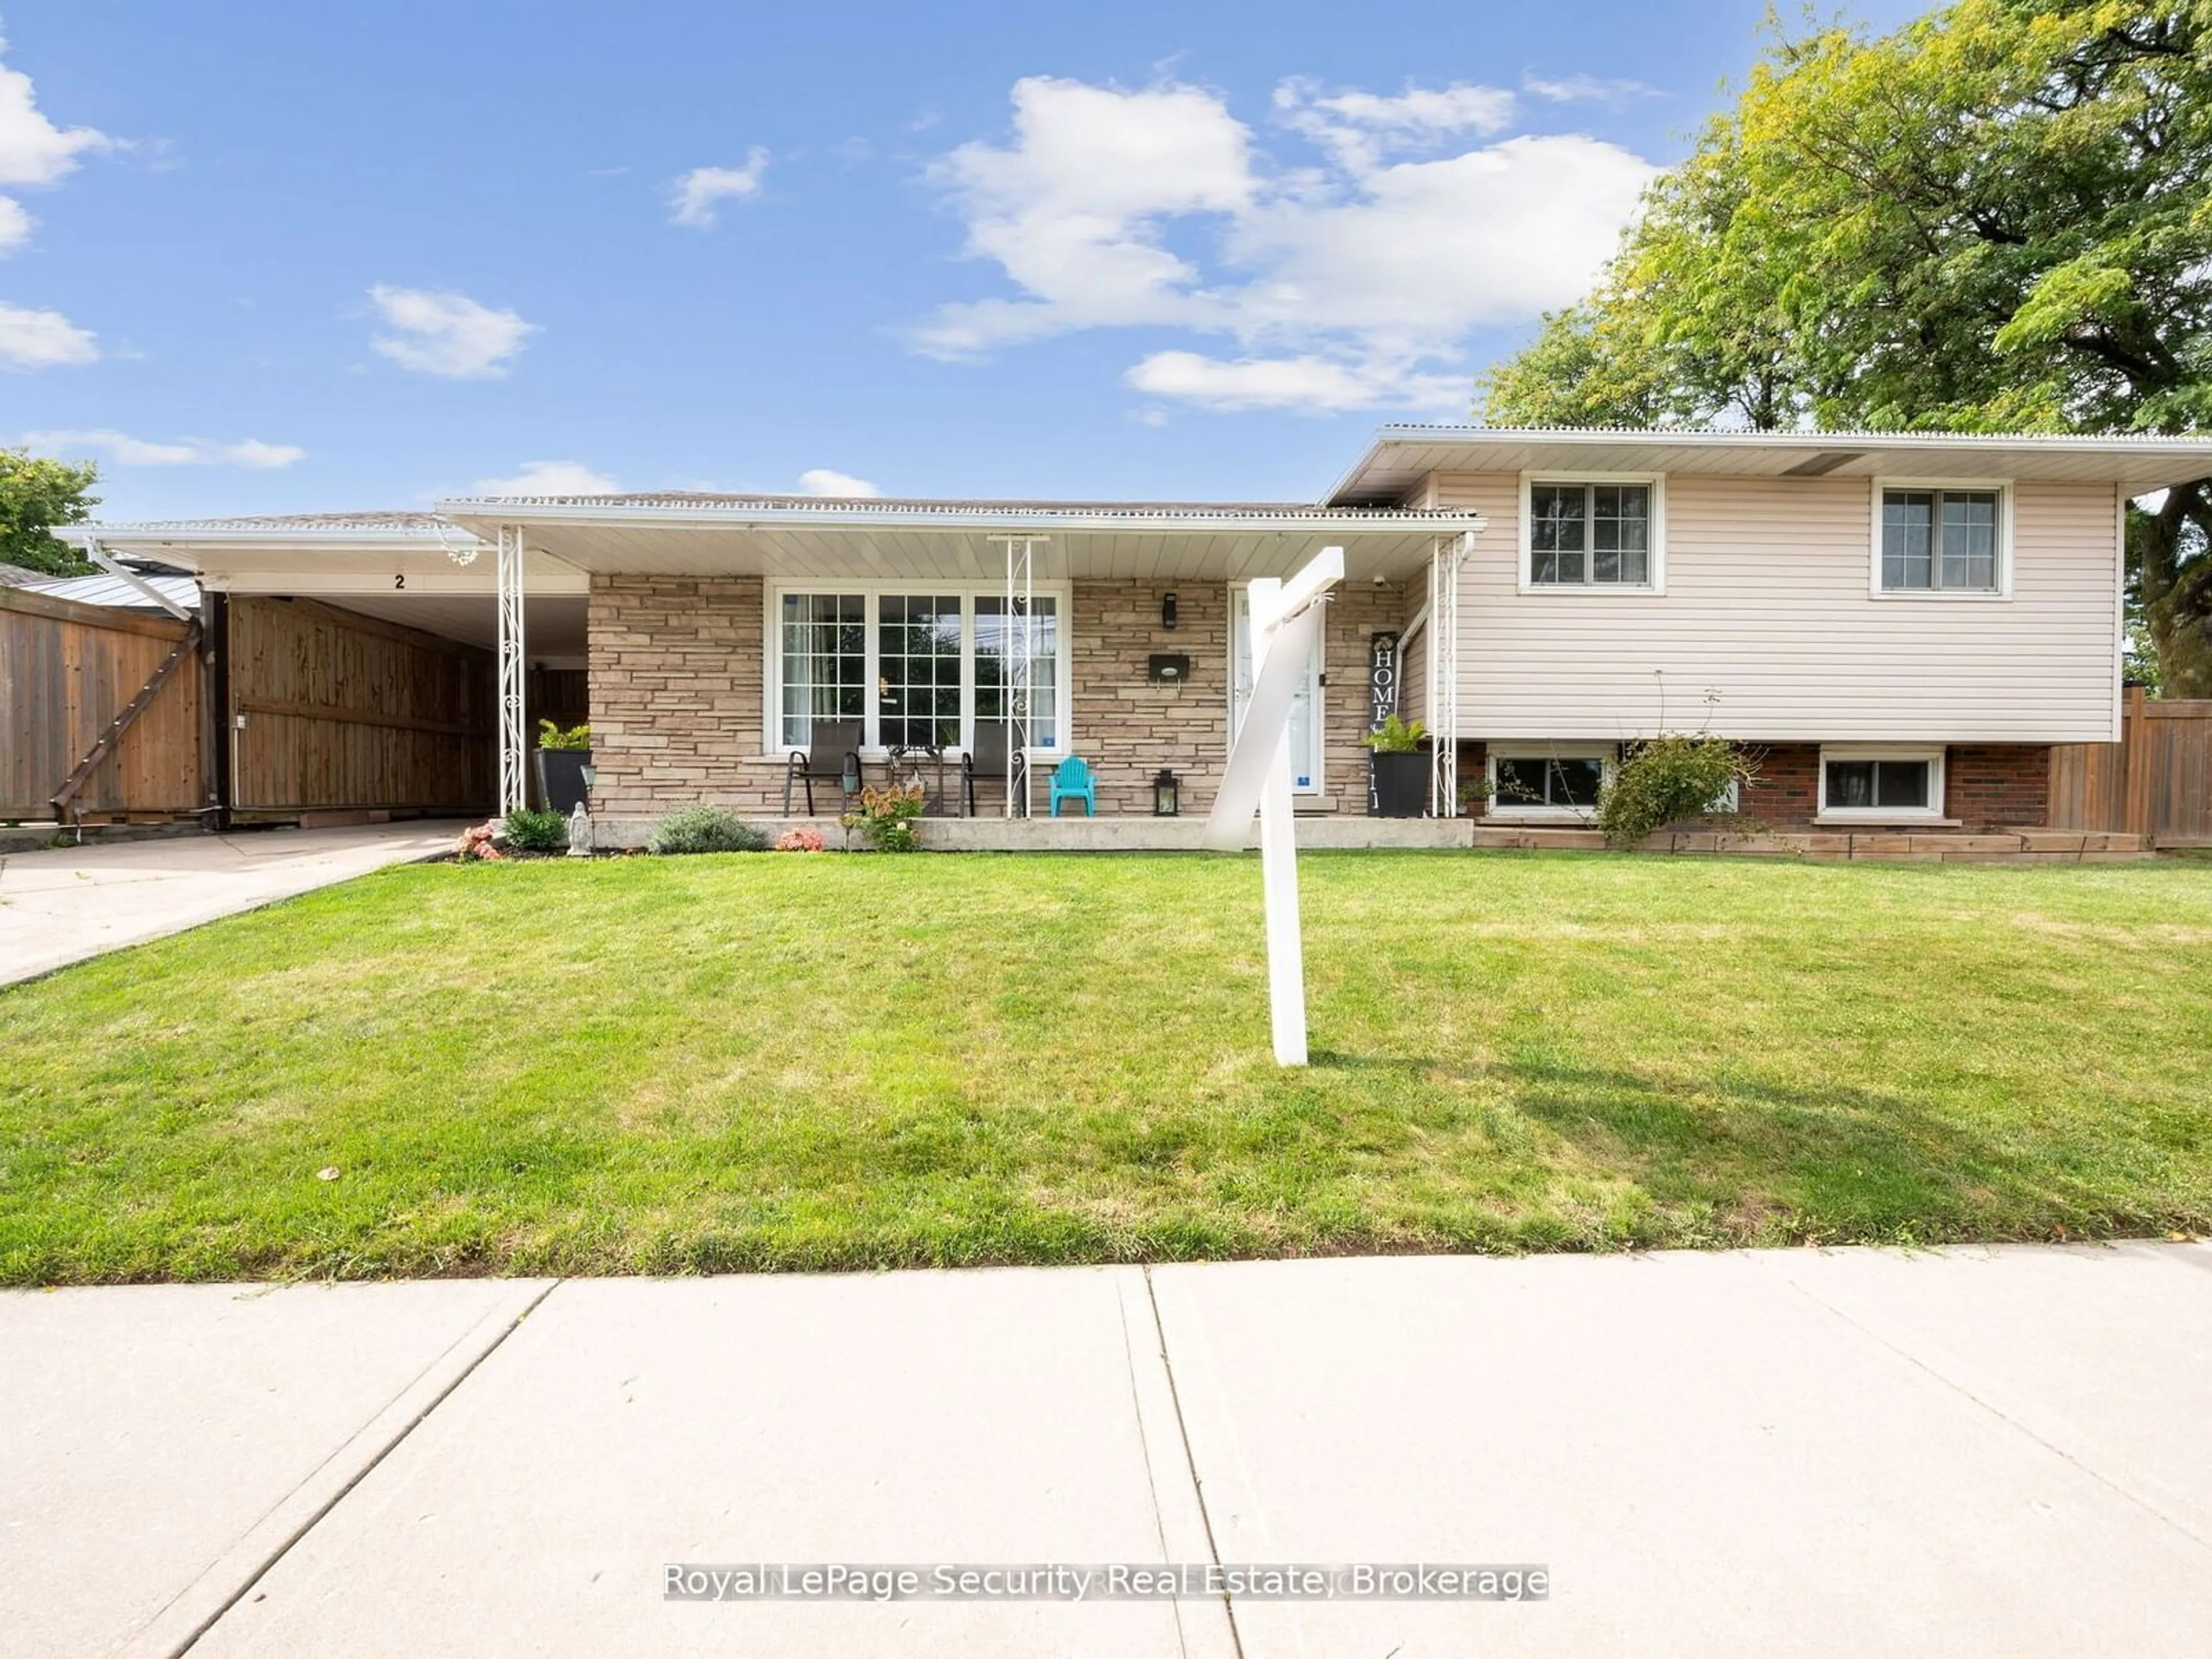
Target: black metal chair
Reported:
[(987, 761), (833, 751)]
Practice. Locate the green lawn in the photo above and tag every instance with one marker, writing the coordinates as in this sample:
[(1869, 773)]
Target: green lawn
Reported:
[(788, 1062)]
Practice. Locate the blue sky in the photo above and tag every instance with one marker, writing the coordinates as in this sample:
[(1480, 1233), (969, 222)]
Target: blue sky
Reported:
[(271, 256)]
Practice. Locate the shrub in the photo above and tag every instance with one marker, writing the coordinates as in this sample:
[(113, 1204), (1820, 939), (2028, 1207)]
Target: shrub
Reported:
[(1668, 778), (800, 840), (550, 736), (887, 816), (707, 829), (539, 832)]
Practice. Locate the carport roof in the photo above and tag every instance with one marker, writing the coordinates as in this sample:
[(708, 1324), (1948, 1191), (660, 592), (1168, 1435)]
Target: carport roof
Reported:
[(801, 538)]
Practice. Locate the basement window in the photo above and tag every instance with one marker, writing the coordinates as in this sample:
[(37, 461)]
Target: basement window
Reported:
[(1887, 783), (1552, 783)]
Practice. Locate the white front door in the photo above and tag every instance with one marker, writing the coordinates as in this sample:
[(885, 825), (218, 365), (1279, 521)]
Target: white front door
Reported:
[(1305, 703)]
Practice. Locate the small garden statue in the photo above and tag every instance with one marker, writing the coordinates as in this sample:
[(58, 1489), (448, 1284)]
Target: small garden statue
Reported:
[(580, 833)]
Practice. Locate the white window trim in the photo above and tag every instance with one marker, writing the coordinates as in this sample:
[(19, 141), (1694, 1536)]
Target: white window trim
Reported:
[(1320, 670), (1658, 585), (772, 742), (1940, 595), (1608, 755), (1932, 753)]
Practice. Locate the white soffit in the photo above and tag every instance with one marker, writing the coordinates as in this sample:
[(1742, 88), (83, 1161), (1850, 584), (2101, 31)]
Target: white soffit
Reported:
[(1401, 456)]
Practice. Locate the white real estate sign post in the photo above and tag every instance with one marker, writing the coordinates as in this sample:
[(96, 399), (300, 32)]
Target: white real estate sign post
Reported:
[(1286, 617)]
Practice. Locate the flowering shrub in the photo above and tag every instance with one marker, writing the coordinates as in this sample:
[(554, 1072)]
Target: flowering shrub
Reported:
[(800, 840), (475, 842), (887, 816)]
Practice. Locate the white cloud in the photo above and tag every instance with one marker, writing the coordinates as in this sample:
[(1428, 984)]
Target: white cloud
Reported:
[(1306, 385), (825, 481), (1358, 128), (1351, 285), (694, 195), (547, 478), (14, 225), (33, 150), (1575, 88), (447, 334), (126, 451), (42, 339), (1073, 210)]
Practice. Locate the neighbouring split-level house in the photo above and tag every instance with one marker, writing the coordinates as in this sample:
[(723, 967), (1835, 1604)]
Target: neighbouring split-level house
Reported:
[(1901, 626)]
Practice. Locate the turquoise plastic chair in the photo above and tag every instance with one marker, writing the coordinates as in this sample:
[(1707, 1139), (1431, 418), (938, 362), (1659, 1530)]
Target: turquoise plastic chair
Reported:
[(1072, 781)]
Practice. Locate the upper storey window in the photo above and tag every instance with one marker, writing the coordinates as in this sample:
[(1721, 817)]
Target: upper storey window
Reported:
[(1593, 532)]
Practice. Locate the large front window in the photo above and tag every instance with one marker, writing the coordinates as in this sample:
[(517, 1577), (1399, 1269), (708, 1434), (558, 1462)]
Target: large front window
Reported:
[(998, 650), (824, 646), (918, 669)]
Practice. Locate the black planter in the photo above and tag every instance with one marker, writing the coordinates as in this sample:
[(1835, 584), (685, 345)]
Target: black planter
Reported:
[(561, 778), (1399, 786)]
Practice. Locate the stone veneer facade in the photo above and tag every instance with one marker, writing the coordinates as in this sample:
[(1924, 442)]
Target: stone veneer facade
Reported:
[(677, 680)]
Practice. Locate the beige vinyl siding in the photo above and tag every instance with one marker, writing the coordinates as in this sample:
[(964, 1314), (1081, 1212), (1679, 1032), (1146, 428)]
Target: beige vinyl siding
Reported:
[(1413, 679), (1767, 602)]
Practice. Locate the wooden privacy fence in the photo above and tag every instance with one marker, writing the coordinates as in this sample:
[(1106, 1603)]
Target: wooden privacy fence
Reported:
[(2155, 781), (331, 710), (101, 711)]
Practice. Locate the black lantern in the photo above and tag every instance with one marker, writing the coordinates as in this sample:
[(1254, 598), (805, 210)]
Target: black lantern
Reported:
[(1164, 794), (1168, 612)]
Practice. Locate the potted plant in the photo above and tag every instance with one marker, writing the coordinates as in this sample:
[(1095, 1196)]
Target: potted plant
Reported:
[(1400, 786), (561, 757)]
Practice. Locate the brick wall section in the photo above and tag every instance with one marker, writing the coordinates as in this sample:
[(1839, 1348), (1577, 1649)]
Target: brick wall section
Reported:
[(2001, 783), (1786, 793), (676, 679)]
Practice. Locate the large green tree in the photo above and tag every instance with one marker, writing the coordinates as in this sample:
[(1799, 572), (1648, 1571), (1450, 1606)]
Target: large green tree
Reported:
[(1997, 218), (36, 493)]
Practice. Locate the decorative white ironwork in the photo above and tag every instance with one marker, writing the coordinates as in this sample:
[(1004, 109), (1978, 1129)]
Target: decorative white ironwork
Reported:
[(1445, 558), (1018, 664), (513, 740), (1285, 620), (462, 555)]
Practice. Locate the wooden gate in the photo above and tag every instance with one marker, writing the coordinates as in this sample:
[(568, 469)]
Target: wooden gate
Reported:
[(99, 711), (2155, 781), (333, 711)]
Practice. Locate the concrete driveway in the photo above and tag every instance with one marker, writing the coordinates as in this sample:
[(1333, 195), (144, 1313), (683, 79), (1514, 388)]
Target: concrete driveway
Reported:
[(60, 905), (1975, 1451)]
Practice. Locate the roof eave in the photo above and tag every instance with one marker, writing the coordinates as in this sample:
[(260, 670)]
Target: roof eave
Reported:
[(963, 522)]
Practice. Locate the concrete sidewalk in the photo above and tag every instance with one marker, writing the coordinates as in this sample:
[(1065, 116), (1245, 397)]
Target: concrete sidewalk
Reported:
[(63, 904), (2001, 1451)]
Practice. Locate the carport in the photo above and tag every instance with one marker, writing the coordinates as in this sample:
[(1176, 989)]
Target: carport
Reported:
[(350, 668)]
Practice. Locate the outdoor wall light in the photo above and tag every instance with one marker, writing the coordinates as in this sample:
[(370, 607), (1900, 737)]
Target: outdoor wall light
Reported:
[(590, 774), (1164, 803), (1168, 612)]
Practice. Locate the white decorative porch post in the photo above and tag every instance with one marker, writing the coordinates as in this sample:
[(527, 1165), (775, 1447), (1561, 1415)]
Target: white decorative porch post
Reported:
[(1285, 618), (1018, 663), (513, 739), (1445, 558)]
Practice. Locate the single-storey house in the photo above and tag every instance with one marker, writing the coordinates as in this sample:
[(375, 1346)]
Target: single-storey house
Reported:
[(1901, 624)]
